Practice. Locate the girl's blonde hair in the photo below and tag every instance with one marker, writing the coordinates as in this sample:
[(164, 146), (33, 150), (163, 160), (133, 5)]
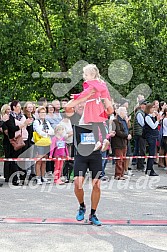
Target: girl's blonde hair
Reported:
[(4, 108), (93, 70), (59, 127)]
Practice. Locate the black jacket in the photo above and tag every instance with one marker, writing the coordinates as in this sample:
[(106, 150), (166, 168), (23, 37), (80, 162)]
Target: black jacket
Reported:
[(119, 141), (12, 128)]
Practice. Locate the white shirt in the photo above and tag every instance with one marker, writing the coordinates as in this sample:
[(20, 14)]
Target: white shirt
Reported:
[(150, 122), (68, 128), (38, 127), (140, 119), (165, 127)]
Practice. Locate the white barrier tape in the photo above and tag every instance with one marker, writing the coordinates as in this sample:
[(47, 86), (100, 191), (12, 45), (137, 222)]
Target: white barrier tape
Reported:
[(69, 158)]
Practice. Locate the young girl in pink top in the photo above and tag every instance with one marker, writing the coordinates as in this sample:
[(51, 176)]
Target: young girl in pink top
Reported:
[(94, 111), (58, 149)]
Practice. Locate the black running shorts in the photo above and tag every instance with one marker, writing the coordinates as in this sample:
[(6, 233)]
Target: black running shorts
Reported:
[(93, 162)]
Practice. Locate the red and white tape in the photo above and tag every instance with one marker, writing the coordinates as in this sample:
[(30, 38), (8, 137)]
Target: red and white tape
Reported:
[(70, 158)]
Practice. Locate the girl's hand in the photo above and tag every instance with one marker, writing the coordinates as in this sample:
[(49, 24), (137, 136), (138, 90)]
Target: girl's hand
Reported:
[(112, 133), (72, 96), (50, 156)]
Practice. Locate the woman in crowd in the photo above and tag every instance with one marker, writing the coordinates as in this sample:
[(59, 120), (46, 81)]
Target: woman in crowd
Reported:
[(164, 136), (162, 106), (16, 125), (5, 110), (28, 111), (151, 134), (51, 117), (44, 130)]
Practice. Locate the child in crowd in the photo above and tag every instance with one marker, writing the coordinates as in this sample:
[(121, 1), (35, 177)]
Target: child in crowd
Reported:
[(94, 111), (59, 150)]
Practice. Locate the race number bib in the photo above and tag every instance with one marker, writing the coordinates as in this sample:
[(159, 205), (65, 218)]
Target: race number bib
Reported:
[(60, 144), (87, 138)]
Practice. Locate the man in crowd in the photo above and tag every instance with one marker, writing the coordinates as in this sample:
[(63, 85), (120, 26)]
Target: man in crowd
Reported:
[(140, 142)]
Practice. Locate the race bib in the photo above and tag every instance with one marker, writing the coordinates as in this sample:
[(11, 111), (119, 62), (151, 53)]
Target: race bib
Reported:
[(60, 144), (87, 138)]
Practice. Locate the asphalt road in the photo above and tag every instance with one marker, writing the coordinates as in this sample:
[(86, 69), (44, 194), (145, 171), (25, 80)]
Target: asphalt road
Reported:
[(42, 218)]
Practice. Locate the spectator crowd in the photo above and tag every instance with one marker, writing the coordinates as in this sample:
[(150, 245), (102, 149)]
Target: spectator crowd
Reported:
[(145, 130)]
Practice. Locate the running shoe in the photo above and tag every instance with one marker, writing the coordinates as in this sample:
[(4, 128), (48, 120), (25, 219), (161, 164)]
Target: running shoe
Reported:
[(59, 182), (81, 213), (94, 220), (39, 182), (45, 180)]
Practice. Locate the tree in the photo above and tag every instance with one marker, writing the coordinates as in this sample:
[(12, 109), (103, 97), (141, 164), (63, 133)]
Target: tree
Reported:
[(39, 36)]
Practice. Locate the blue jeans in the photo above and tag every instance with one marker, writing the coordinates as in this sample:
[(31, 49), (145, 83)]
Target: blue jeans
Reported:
[(151, 150)]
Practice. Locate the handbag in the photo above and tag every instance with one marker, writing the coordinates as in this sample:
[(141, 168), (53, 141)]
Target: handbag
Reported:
[(41, 141), (36, 137), (17, 142)]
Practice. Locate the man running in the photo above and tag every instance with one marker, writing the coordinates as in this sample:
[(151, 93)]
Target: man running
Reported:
[(85, 157)]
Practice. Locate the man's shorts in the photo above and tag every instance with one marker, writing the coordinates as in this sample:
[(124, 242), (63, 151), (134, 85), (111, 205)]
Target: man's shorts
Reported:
[(93, 162)]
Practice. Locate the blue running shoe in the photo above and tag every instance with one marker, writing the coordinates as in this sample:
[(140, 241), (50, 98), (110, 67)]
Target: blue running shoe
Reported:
[(94, 220), (81, 213)]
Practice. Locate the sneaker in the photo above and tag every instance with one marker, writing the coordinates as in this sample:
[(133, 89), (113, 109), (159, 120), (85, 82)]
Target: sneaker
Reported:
[(97, 146), (105, 145), (45, 180), (59, 182), (39, 182), (81, 213), (49, 174), (105, 178), (123, 177), (94, 220), (129, 173)]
